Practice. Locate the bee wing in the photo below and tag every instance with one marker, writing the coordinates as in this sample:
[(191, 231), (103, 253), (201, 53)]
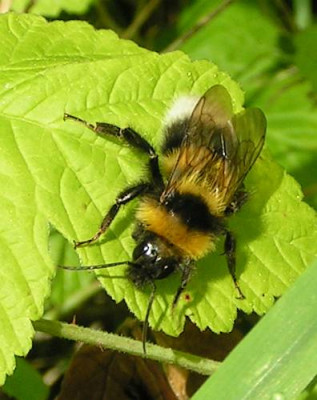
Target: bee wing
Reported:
[(250, 127), (218, 148), (213, 111)]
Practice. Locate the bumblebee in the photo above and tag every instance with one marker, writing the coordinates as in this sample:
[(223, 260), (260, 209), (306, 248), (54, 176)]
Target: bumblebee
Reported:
[(207, 151)]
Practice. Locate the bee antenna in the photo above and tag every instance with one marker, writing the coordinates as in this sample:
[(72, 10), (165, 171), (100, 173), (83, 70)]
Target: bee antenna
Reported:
[(146, 320), (93, 267)]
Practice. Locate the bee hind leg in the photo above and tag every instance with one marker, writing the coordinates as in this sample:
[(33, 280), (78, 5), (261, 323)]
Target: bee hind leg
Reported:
[(230, 251), (239, 199)]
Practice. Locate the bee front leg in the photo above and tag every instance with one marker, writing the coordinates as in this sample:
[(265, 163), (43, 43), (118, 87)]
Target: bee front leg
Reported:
[(230, 251), (134, 139), (123, 198), (131, 137)]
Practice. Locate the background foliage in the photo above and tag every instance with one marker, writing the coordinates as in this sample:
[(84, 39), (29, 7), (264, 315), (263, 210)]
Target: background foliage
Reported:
[(267, 47)]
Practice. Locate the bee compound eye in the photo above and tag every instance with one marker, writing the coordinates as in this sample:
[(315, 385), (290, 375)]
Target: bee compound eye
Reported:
[(145, 251)]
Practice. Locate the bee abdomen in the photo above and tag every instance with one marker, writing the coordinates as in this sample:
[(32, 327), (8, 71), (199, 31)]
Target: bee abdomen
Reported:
[(184, 221), (193, 212)]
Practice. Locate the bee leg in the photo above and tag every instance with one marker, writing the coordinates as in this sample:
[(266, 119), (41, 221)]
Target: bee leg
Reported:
[(230, 251), (147, 315), (239, 199), (186, 274), (135, 140), (123, 198), (131, 137)]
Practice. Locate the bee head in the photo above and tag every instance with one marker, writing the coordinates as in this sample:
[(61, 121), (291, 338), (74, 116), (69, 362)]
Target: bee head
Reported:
[(152, 259)]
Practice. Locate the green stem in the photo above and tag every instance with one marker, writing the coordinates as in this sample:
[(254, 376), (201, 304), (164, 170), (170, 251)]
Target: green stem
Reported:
[(200, 24), (105, 18), (140, 19), (127, 345)]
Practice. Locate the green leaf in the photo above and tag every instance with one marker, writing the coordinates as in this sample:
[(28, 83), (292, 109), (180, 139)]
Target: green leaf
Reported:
[(64, 284), (310, 393), (25, 383), (51, 8), (278, 358), (61, 173)]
